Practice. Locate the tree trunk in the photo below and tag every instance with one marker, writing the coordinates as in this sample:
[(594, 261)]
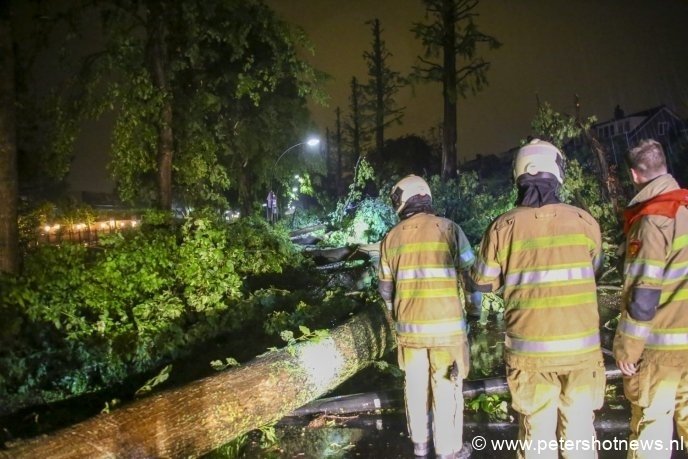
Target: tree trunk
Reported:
[(449, 92), (608, 178), (204, 415), (338, 140), (379, 65), (9, 232), (157, 56)]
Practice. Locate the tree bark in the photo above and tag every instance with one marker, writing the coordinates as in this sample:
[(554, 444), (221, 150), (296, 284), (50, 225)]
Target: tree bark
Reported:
[(9, 232), (157, 55), (449, 91), (202, 416), (608, 177)]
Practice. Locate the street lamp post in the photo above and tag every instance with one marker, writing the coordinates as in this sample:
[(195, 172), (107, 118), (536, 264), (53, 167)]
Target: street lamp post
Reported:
[(272, 197)]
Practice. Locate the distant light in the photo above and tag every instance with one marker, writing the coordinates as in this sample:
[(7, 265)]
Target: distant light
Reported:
[(103, 225), (313, 141), (46, 228), (133, 223), (56, 227)]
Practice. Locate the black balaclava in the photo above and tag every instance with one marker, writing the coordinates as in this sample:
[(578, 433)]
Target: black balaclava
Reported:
[(537, 190), (417, 204)]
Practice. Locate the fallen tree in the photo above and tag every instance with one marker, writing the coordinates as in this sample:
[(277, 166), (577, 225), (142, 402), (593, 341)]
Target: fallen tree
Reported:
[(199, 417)]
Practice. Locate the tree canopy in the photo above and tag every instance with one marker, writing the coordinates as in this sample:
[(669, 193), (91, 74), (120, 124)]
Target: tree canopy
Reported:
[(205, 95)]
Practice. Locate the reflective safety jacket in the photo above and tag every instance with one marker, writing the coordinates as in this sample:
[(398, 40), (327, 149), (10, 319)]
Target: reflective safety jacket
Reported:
[(419, 260), (654, 318), (546, 259)]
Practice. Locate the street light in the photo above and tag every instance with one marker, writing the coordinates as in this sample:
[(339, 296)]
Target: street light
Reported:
[(312, 142), (272, 197)]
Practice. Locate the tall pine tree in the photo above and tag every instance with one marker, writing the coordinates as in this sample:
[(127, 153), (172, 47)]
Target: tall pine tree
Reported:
[(453, 37), (383, 84)]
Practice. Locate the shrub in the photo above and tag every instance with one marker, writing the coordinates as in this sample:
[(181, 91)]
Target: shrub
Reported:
[(79, 319)]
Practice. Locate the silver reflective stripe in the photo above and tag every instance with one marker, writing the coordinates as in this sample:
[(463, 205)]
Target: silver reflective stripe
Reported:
[(467, 257), (483, 270), (667, 339), (456, 326), (559, 345), (387, 271), (634, 330), (644, 270), (550, 275), (426, 273), (676, 273)]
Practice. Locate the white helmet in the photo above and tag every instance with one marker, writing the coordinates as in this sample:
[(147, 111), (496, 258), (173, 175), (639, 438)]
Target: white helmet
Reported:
[(539, 156), (406, 188)]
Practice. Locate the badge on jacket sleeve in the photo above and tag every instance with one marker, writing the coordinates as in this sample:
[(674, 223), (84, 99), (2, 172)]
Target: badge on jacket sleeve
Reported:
[(634, 247)]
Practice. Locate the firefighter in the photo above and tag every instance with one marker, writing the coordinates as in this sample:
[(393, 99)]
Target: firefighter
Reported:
[(545, 254), (418, 279), (651, 342)]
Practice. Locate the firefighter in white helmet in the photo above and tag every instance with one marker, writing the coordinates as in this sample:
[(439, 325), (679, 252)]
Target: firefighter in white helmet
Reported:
[(418, 279), (545, 255)]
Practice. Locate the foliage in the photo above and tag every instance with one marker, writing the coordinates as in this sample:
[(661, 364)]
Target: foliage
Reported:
[(306, 335), (383, 84), (495, 406), (283, 320), (225, 78), (469, 203), (491, 303), (219, 365), (368, 223), (155, 380), (581, 188), (363, 173), (452, 30), (487, 354), (557, 128), (80, 319), (391, 369), (405, 155)]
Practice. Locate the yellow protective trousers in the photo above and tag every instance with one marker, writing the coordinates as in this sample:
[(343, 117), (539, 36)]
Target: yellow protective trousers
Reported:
[(556, 411), (658, 396), (428, 384)]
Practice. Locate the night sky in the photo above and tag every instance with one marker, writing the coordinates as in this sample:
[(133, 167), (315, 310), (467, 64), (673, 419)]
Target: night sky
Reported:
[(626, 52)]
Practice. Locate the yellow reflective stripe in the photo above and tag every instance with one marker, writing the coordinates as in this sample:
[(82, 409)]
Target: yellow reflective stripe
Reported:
[(680, 242), (415, 247), (548, 242), (558, 301), (581, 264), (679, 295), (428, 293)]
